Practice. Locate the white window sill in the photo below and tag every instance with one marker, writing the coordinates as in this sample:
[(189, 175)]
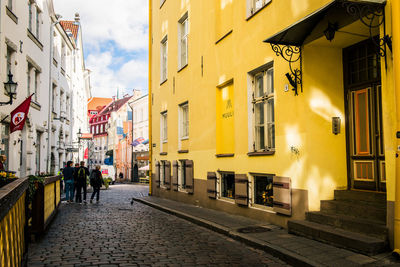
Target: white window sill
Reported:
[(227, 200), (262, 208), (184, 138)]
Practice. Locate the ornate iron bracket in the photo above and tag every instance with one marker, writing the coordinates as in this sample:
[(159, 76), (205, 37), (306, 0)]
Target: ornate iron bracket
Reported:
[(291, 54), (372, 16)]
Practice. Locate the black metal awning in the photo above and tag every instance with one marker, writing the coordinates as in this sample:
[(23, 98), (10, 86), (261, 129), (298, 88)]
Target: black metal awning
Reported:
[(338, 12)]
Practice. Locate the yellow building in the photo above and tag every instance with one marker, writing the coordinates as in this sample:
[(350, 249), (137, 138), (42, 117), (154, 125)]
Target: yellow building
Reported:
[(278, 110)]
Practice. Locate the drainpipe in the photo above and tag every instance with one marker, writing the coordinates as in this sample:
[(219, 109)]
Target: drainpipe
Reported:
[(52, 25), (396, 74), (150, 99)]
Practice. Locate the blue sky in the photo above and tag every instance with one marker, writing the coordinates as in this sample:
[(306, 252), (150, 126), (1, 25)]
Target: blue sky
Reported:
[(115, 40)]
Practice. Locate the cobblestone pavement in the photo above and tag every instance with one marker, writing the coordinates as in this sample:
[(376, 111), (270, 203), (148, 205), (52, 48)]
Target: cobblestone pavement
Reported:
[(115, 232)]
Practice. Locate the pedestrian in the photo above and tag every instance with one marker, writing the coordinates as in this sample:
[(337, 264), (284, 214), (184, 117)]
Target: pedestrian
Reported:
[(60, 173), (121, 176), (96, 181), (68, 173), (3, 158), (81, 173)]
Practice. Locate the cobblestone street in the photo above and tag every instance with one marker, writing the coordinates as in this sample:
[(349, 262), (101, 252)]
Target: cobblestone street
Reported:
[(116, 233)]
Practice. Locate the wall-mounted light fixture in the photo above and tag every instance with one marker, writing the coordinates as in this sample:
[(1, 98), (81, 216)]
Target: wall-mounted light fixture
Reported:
[(330, 31), (11, 89)]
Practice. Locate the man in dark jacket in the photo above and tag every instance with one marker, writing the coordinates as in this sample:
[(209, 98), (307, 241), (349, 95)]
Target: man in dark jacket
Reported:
[(96, 181), (68, 173), (80, 176)]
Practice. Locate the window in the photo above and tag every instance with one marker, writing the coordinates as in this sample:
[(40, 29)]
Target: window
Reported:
[(263, 191), (30, 6), (228, 185), (10, 57), (37, 80), (38, 146), (181, 174), (164, 127), (184, 121), (30, 69), (10, 4), (102, 128), (54, 98), (97, 129), (263, 110), (164, 50), (183, 41), (255, 5), (37, 22)]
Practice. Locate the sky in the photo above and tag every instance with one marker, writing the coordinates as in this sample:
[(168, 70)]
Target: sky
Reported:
[(115, 38)]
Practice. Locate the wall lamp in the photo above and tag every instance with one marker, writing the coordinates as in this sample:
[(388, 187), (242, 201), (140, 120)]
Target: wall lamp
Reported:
[(330, 31), (11, 89)]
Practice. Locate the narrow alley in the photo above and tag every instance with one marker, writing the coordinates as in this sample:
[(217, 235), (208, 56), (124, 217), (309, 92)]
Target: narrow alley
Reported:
[(115, 232)]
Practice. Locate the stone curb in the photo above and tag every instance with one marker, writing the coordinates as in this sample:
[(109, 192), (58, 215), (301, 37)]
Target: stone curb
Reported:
[(281, 253)]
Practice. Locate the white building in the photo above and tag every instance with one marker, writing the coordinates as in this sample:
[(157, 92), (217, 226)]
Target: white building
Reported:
[(26, 37)]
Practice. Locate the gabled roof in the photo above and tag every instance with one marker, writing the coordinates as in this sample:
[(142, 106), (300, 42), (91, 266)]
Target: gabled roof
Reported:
[(98, 103), (73, 26), (114, 106)]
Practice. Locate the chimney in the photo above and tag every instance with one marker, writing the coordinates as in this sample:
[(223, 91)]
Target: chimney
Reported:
[(77, 18)]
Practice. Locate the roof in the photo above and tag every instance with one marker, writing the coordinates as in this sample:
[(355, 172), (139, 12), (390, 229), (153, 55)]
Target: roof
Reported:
[(114, 106), (98, 103), (72, 26)]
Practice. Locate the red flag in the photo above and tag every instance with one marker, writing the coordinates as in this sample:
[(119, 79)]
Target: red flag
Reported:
[(86, 155), (18, 115)]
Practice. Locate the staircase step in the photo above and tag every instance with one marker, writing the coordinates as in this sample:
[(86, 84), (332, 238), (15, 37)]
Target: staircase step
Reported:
[(338, 237), (364, 196), (355, 209), (350, 223)]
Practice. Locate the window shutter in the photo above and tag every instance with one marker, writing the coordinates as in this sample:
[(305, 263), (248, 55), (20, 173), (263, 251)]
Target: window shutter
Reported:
[(175, 175), (157, 174), (212, 185), (241, 189), (282, 195), (189, 176), (168, 174)]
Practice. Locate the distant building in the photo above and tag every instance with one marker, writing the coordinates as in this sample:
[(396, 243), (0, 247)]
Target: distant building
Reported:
[(96, 104)]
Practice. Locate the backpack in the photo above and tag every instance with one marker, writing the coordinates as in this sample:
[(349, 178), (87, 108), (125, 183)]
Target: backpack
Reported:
[(81, 175), (92, 178)]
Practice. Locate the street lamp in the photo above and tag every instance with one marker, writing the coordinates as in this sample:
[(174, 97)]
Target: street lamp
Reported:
[(11, 89), (79, 142)]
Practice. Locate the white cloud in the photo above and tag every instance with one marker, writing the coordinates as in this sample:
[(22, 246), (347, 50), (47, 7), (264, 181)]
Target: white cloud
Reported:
[(122, 21), (105, 81), (107, 25)]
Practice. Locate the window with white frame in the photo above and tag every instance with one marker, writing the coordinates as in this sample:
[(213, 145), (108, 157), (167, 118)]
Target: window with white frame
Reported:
[(263, 111), (255, 5), (164, 127), (164, 56), (37, 84), (10, 4), (38, 15), (30, 8), (10, 58), (184, 121), (29, 80), (183, 41), (181, 174)]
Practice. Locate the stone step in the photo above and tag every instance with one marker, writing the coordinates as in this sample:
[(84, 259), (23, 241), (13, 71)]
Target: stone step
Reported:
[(350, 223), (355, 209), (338, 237), (363, 196)]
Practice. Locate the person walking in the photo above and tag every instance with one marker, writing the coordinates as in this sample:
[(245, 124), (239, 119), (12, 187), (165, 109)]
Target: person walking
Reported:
[(81, 173), (68, 173), (96, 181), (60, 173)]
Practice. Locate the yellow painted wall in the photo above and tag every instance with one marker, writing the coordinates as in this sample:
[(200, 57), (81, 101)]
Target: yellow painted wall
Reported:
[(302, 122), (12, 240), (48, 200)]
